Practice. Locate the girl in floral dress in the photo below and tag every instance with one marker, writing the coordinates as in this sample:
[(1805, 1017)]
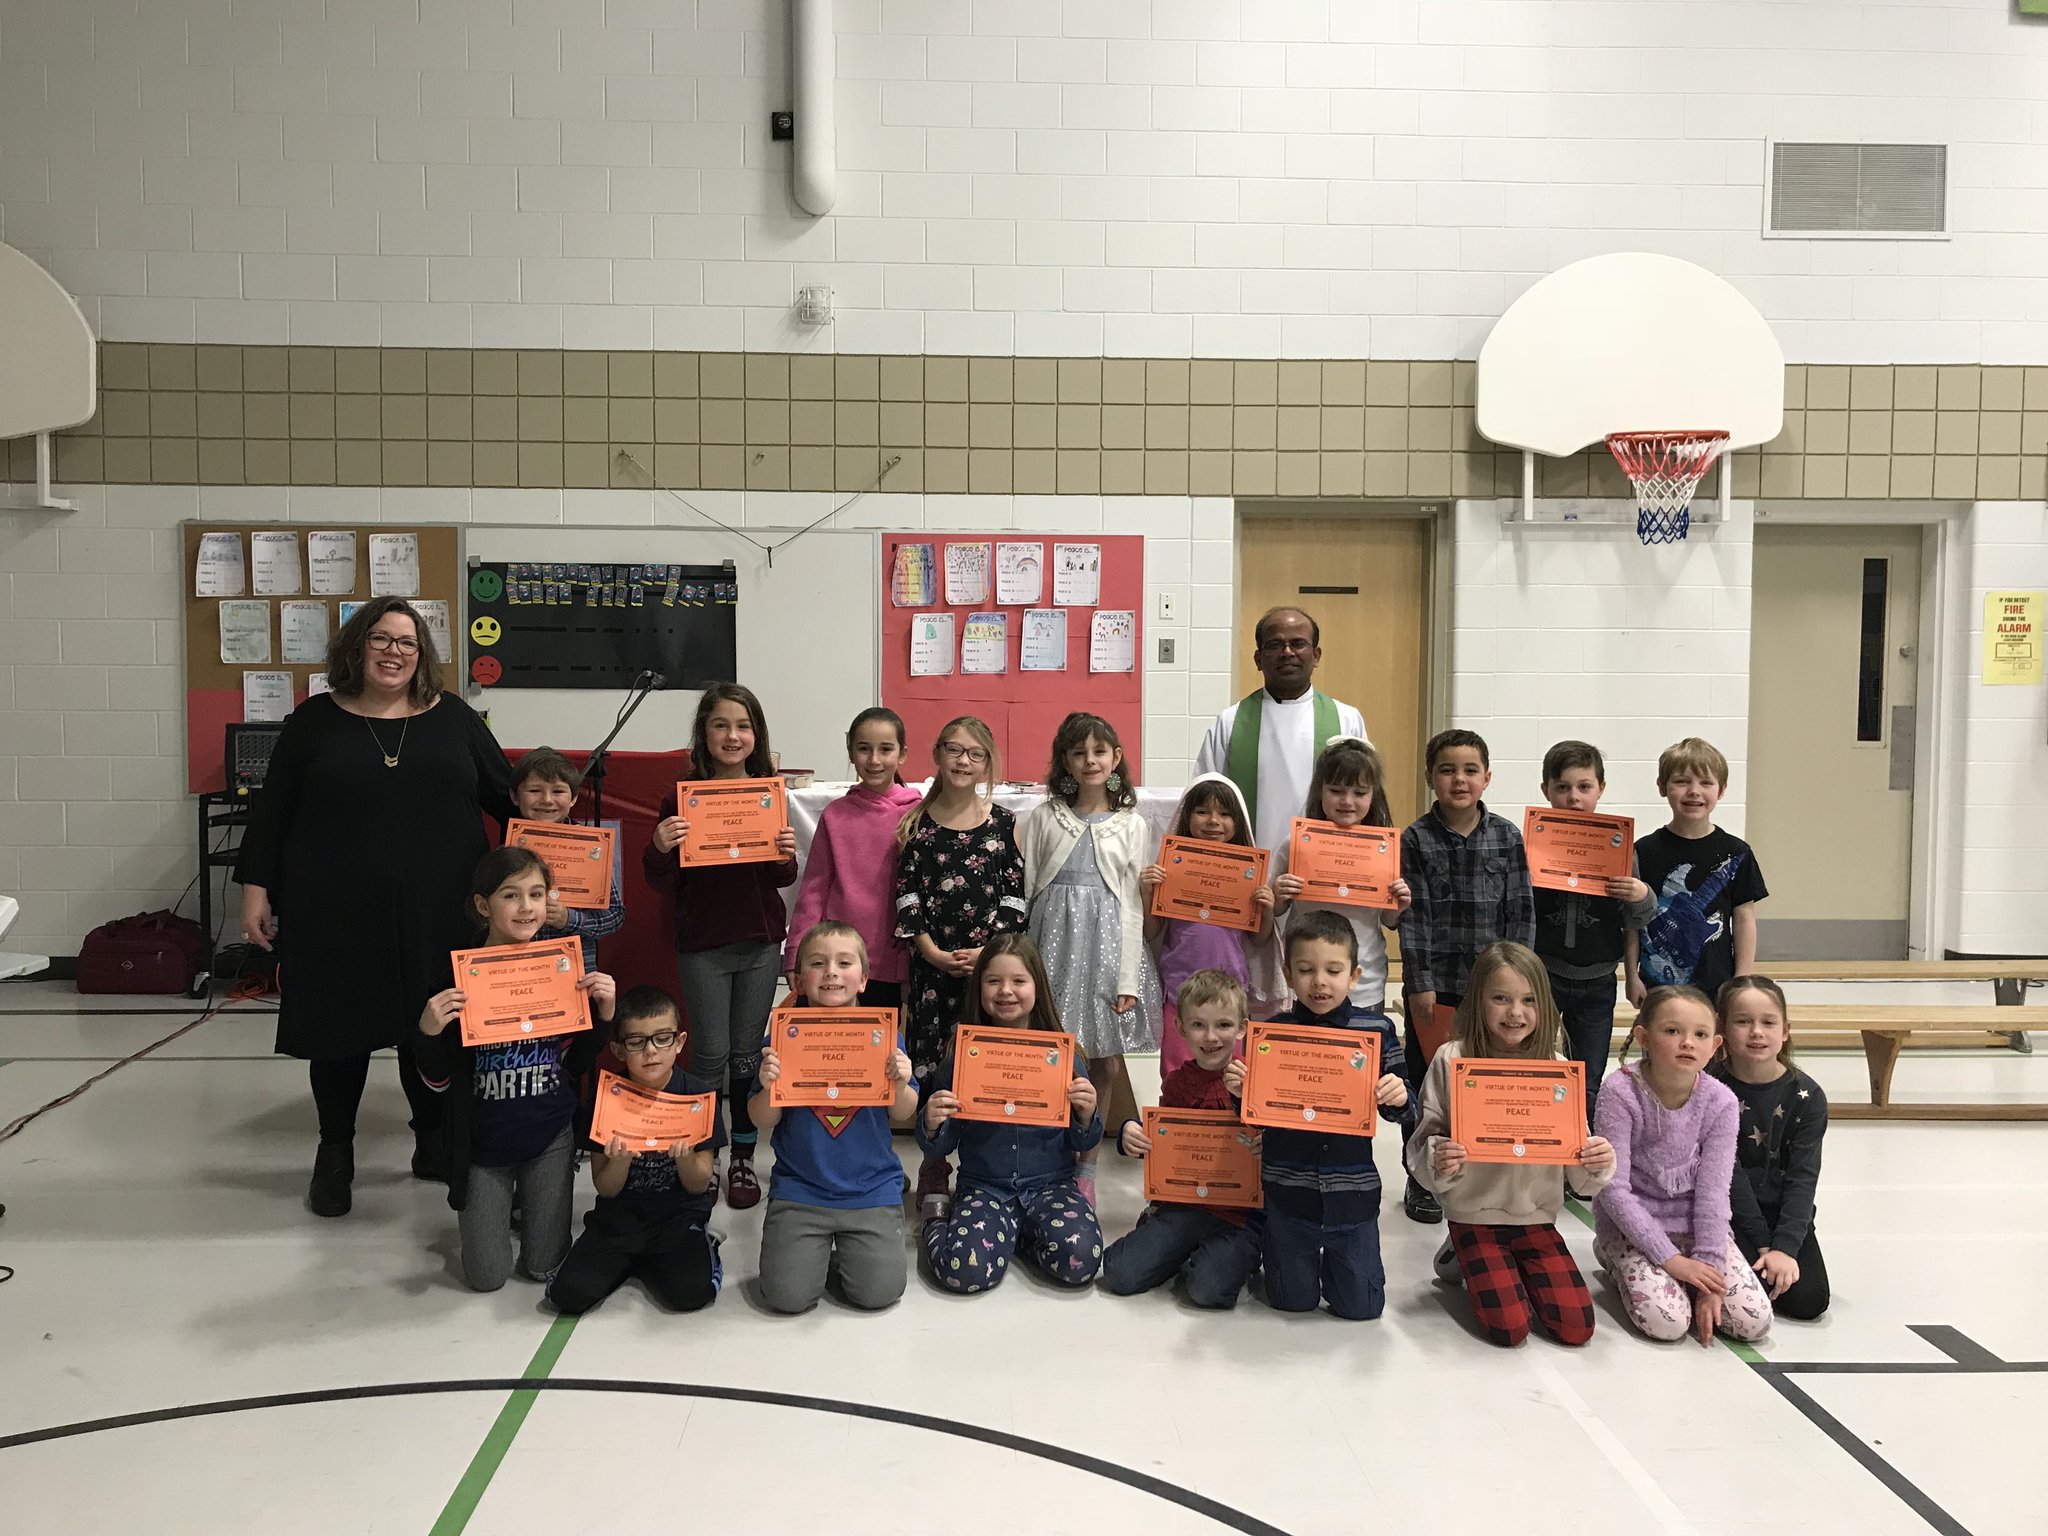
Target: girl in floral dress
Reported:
[(959, 883)]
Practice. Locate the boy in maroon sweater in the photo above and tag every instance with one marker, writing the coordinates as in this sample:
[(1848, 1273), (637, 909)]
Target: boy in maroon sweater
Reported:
[(1215, 1248)]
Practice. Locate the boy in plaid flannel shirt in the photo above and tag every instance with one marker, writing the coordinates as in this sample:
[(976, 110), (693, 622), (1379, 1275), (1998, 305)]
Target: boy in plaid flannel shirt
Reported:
[(1470, 880)]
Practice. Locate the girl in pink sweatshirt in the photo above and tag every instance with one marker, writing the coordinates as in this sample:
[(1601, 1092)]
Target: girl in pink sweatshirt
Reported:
[(1662, 1230), (850, 875)]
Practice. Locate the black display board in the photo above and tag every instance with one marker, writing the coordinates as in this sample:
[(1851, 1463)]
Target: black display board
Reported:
[(567, 625)]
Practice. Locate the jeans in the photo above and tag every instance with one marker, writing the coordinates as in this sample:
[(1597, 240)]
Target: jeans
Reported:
[(1588, 1011), (1308, 1263), (1215, 1255), (544, 1188), (727, 993)]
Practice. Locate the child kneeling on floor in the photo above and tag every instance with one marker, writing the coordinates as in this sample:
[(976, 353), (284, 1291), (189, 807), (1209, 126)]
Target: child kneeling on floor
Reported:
[(1215, 1248), (835, 1197), (1017, 1182), (1503, 1216), (653, 1208)]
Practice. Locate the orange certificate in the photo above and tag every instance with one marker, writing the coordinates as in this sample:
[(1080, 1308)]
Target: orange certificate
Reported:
[(1577, 850), (1296, 1075), (732, 821), (1509, 1111), (579, 859), (521, 991), (1345, 866), (1201, 1157), (648, 1118), (833, 1057), (1210, 882), (1018, 1076)]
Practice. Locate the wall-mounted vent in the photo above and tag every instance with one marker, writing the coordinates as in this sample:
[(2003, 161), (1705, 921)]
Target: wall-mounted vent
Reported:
[(1859, 189)]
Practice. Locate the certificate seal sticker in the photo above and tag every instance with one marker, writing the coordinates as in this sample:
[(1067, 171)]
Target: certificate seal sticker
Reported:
[(1009, 1109), (1203, 914), (1614, 840), (874, 1037), (562, 963), (526, 1026), (1572, 881), (1308, 1112), (1201, 1191), (693, 802), (1250, 873), (1052, 1058), (1520, 1150), (1557, 1093), (766, 801), (792, 1031), (649, 1141), (732, 853), (1358, 1061), (974, 1050), (1343, 890), (594, 853), (832, 1092)]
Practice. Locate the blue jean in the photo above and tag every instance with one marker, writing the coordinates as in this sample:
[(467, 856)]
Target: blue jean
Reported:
[(1215, 1255), (1587, 1008), (1308, 1263), (727, 995)]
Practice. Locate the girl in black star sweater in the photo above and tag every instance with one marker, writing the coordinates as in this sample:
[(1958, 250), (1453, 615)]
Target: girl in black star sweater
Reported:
[(1777, 1148)]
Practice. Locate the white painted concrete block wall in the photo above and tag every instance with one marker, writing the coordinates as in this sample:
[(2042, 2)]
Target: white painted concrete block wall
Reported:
[(1132, 177), (1585, 633), (2002, 905)]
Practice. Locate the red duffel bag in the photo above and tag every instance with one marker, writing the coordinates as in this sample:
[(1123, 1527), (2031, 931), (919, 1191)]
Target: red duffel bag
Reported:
[(152, 952)]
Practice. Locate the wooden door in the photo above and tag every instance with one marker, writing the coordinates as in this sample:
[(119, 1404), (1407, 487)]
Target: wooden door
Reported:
[(1833, 682), (1364, 578)]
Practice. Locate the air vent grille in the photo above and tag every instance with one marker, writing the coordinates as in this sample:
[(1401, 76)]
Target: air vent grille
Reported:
[(1859, 189)]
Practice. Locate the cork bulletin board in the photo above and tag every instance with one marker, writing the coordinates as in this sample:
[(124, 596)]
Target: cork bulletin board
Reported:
[(277, 570)]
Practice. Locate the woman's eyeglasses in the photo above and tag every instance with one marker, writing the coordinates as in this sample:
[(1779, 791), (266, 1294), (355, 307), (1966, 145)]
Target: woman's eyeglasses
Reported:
[(973, 756), (403, 644), (660, 1040)]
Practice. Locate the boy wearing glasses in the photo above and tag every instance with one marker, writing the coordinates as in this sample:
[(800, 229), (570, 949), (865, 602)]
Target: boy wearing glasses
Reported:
[(653, 1208), (835, 1199)]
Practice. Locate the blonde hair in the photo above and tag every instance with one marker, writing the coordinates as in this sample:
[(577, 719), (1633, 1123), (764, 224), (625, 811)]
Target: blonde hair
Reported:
[(1734, 987), (818, 933), (1205, 988), (1470, 1031), (1696, 756), (984, 738)]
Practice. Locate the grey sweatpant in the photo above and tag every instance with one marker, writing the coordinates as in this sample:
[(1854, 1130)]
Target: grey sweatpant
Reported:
[(546, 1189), (802, 1244)]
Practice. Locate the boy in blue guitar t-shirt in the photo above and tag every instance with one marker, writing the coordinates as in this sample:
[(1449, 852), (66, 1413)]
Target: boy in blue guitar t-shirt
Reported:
[(1706, 881)]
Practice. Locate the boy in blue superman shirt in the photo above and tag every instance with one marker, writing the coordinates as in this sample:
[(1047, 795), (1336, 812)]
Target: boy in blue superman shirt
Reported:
[(1322, 1237)]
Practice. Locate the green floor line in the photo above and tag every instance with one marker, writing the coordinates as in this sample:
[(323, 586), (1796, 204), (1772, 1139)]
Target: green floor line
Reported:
[(483, 1466), (1743, 1352)]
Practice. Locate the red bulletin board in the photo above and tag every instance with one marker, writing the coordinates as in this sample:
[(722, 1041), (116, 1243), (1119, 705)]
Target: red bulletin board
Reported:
[(1024, 709)]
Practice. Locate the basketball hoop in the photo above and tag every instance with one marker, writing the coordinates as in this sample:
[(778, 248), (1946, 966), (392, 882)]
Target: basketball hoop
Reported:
[(1665, 468)]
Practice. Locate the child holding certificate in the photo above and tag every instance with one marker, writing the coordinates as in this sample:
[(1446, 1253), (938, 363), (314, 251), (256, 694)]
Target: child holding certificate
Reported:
[(959, 883), (1322, 1238), (511, 1105), (544, 788), (1213, 810), (1503, 1215), (1346, 789), (1470, 876), (1663, 1224), (730, 922), (653, 1206), (850, 871), (1017, 1186), (1782, 1117), (1583, 936), (1083, 848), (835, 1197), (1214, 1248)]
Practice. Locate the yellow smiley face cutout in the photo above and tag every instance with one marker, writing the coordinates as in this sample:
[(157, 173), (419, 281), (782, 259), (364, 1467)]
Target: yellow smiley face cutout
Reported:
[(486, 630)]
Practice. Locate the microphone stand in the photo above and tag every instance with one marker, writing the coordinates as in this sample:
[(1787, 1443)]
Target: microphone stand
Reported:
[(594, 770)]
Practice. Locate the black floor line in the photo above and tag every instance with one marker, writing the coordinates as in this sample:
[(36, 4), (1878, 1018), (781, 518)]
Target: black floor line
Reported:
[(1158, 1488), (1957, 1345), (1902, 1487)]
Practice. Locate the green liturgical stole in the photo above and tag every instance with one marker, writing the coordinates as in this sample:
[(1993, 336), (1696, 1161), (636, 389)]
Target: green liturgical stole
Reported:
[(1241, 765)]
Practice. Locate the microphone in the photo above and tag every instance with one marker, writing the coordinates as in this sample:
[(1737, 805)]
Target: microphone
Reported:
[(653, 681)]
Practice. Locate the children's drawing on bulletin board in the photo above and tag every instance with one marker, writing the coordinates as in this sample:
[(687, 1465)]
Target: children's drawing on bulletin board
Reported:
[(973, 626)]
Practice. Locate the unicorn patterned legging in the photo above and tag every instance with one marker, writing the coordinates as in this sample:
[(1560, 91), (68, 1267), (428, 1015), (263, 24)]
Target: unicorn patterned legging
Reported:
[(1662, 1308), (969, 1251)]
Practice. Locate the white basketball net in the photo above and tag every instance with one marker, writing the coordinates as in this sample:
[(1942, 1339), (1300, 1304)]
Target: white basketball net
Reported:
[(1665, 468)]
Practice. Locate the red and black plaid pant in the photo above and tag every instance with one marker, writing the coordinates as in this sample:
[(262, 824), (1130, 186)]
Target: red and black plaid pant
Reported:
[(1516, 1275)]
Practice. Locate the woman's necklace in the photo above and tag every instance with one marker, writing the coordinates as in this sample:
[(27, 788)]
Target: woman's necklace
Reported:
[(390, 758)]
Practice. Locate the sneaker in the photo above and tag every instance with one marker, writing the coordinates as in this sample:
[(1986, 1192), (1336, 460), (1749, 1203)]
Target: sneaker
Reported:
[(742, 1189), (1446, 1265), (935, 1189), (334, 1171), (1421, 1205)]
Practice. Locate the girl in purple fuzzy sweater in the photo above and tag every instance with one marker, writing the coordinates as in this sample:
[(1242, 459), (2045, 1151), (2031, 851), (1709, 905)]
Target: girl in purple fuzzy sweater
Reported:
[(1663, 1222)]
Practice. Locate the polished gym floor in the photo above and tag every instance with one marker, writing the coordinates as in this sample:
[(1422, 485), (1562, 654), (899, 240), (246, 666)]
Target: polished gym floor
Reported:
[(185, 1349)]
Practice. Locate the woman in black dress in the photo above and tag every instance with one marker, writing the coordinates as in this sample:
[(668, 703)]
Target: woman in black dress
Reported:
[(359, 851)]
